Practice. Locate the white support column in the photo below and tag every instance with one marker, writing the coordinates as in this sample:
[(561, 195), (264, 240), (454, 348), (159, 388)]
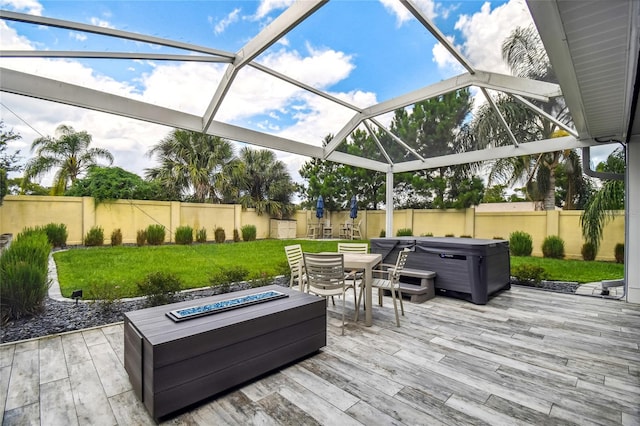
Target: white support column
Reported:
[(389, 203), (632, 221)]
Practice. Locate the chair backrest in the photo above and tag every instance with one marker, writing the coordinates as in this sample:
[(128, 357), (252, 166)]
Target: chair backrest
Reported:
[(355, 232), (294, 256), (353, 248), (394, 274), (325, 272)]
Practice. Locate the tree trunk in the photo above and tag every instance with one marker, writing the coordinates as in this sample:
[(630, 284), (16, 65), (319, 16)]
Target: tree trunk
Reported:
[(550, 196)]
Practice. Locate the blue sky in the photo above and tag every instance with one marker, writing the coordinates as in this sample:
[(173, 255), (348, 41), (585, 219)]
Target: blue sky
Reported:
[(361, 51)]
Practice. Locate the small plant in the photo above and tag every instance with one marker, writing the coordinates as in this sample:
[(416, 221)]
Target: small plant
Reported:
[(249, 232), (141, 237), (106, 295), (227, 275), (201, 235), (618, 252), (404, 232), (588, 251), (95, 237), (449, 235), (184, 235), (428, 234), (466, 236), (260, 279), (24, 275), (553, 247), (529, 273), (160, 288), (155, 235), (236, 236), (498, 238), (57, 234), (520, 243), (383, 233), (219, 235), (116, 237)]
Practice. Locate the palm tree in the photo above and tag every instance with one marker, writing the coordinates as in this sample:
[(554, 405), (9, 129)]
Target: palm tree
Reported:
[(69, 153), (193, 164), (602, 204), (524, 53), (264, 183)]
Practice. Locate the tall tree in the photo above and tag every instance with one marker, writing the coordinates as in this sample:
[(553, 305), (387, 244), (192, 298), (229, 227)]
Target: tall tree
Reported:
[(264, 183), (434, 127), (196, 165), (602, 204), (70, 153), (8, 162), (525, 54)]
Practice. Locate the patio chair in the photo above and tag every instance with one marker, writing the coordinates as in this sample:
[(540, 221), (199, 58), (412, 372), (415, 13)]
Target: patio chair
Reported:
[(327, 229), (355, 274), (355, 232), (325, 276), (296, 265), (312, 231), (388, 279), (345, 231)]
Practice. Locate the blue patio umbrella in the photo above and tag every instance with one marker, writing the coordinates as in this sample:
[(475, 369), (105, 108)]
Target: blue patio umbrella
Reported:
[(320, 207), (353, 210)]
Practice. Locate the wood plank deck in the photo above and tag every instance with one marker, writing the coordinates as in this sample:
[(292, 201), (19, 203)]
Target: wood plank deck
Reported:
[(527, 357)]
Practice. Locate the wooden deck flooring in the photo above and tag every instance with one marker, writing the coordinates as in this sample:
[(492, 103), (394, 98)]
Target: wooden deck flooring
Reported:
[(527, 357)]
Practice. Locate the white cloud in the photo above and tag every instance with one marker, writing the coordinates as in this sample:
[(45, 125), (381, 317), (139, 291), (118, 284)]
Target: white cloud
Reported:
[(100, 23), (31, 7), (77, 36), (483, 34), (221, 25), (267, 6), (428, 7)]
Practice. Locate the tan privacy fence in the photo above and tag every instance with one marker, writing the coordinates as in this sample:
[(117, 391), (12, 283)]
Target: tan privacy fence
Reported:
[(80, 214)]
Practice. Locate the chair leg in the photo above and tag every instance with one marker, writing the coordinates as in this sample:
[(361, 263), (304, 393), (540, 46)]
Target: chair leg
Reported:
[(395, 306), (358, 304), (344, 297), (400, 297)]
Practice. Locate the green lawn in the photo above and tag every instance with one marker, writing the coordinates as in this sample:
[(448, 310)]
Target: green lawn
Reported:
[(125, 266), (572, 270)]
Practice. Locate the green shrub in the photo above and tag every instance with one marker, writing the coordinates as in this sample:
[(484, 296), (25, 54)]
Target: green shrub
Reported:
[(236, 236), (184, 235), (588, 251), (428, 234), (449, 235), (155, 235), (249, 232), (106, 295), (498, 238), (141, 237), (201, 235), (526, 272), (618, 252), (466, 236), (520, 243), (260, 279), (160, 288), (404, 232), (57, 234), (553, 247), (116, 237), (383, 233), (228, 275), (219, 235), (95, 237), (24, 275)]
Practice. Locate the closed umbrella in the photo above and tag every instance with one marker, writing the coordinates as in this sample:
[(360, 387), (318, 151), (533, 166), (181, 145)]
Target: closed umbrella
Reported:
[(353, 212), (320, 209)]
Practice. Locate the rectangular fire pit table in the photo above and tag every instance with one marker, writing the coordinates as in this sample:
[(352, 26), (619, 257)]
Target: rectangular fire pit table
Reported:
[(173, 364)]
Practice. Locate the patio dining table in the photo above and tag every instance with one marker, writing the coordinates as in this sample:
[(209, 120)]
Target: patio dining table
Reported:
[(365, 261)]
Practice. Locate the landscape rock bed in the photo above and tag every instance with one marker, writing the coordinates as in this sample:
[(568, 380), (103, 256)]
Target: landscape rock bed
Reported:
[(61, 316), (555, 286)]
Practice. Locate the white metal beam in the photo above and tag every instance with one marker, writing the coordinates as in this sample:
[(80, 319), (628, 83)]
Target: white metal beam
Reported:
[(544, 114), (537, 147), (112, 32), (109, 55), (284, 23), (435, 31), (504, 123)]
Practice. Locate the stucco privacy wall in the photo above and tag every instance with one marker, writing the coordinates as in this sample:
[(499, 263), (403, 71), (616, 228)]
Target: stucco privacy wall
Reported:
[(81, 213)]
